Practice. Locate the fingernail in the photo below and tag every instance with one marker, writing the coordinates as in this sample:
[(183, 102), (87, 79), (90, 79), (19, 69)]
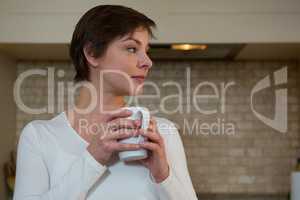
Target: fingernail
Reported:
[(136, 133), (137, 122)]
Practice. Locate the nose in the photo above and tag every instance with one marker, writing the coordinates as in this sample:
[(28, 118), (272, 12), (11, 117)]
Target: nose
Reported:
[(145, 62)]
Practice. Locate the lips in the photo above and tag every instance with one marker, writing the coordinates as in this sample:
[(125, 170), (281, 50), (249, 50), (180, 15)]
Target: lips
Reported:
[(138, 78)]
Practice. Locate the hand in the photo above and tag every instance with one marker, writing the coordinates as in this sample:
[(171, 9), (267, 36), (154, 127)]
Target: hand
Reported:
[(105, 142), (156, 161)]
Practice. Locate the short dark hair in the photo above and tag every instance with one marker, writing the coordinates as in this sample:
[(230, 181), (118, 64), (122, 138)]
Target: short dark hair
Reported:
[(97, 28)]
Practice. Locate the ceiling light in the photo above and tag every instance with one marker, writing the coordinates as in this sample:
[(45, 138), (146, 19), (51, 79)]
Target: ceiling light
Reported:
[(186, 47)]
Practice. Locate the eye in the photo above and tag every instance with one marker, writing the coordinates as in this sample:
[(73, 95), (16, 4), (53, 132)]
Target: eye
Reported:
[(132, 49)]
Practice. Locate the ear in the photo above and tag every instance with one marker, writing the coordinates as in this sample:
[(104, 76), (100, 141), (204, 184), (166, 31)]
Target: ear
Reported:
[(92, 60)]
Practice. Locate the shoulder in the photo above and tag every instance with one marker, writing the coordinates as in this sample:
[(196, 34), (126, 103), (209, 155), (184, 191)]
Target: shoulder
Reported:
[(29, 131), (36, 130), (28, 140)]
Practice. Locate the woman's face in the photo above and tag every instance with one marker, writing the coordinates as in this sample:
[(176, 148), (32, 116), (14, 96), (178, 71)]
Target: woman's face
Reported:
[(125, 65)]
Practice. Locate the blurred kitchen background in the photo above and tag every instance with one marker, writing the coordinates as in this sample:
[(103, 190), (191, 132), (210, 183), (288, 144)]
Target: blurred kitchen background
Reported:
[(235, 41)]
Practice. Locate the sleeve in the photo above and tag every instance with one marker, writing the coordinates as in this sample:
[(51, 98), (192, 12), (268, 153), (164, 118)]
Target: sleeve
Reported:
[(178, 184), (32, 178)]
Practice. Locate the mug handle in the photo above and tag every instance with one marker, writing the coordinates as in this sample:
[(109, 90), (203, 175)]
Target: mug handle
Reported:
[(145, 121)]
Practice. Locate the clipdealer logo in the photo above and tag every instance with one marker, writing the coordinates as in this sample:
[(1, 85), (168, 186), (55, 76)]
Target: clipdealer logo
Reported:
[(279, 122), (194, 99)]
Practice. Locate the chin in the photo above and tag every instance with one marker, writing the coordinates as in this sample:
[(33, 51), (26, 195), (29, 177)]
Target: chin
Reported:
[(130, 92), (136, 92)]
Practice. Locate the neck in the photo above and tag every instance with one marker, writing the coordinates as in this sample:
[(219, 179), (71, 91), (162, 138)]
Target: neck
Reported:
[(100, 103), (107, 102)]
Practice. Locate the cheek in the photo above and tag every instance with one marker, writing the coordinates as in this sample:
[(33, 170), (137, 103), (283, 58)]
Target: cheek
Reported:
[(123, 63), (126, 61), (120, 84)]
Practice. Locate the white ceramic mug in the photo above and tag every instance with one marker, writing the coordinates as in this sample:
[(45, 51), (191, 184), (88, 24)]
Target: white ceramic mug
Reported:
[(143, 114)]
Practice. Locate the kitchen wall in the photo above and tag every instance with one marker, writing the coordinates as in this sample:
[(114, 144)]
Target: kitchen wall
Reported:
[(8, 70), (229, 149), (178, 22)]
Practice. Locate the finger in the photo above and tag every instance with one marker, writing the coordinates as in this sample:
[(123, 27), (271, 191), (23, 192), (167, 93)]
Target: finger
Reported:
[(122, 134), (153, 136), (144, 162), (153, 123), (134, 162), (150, 146), (152, 120), (120, 113), (150, 129), (117, 146), (123, 123), (138, 162)]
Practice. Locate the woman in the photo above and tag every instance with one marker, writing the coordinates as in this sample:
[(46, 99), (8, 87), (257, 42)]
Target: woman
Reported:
[(66, 158)]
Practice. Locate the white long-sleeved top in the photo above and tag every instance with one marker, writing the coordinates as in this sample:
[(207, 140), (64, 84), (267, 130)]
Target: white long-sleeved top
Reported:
[(54, 164)]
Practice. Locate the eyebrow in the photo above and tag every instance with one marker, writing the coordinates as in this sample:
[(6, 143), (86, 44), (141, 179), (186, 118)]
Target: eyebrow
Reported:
[(137, 41)]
